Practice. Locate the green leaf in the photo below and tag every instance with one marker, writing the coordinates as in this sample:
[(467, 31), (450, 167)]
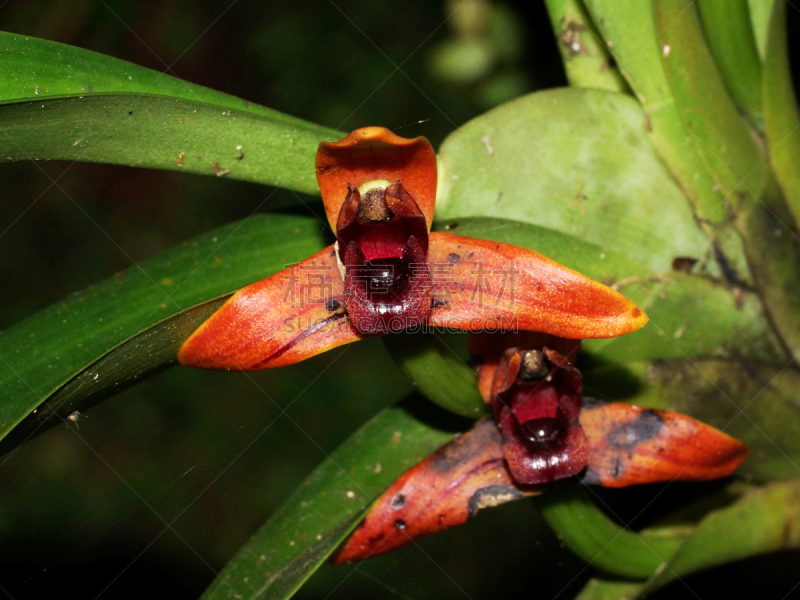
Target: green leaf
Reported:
[(707, 111), (136, 359), (760, 15), (590, 534), (781, 117), (732, 155), (436, 364), (576, 161), (164, 133), (53, 347), (317, 517), (34, 69), (599, 589), (729, 32), (586, 59), (755, 403), (762, 521), (689, 315), (630, 33)]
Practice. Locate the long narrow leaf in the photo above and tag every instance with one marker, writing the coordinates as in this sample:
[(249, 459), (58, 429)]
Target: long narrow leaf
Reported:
[(34, 69), (765, 520), (317, 517), (50, 348), (729, 31), (601, 542), (732, 155), (629, 29), (586, 59), (781, 115), (164, 133)]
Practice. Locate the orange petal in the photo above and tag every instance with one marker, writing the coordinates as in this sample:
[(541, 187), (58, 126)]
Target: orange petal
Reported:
[(442, 491), (484, 285), (468, 474), (376, 153), (629, 445), (277, 321), (486, 349)]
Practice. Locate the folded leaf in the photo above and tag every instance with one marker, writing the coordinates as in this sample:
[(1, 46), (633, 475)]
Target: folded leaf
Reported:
[(306, 528), (163, 133), (47, 350), (586, 59), (781, 114)]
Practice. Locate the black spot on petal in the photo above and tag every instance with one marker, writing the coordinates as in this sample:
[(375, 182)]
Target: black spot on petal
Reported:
[(646, 426)]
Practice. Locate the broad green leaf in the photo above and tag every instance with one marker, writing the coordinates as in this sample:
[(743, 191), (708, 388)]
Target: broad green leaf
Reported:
[(34, 69), (630, 33), (732, 155), (435, 365), (753, 402), (600, 589), (164, 133), (765, 520), (760, 15), (590, 534), (317, 517), (576, 161), (729, 32), (689, 315), (586, 59), (49, 349), (781, 116)]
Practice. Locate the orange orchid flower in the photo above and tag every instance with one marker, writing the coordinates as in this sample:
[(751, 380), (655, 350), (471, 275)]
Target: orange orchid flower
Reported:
[(542, 430), (388, 272)]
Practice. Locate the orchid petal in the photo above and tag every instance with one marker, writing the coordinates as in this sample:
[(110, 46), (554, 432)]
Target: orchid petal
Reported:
[(444, 490), (486, 350), (468, 474), (374, 153), (485, 285), (629, 445), (283, 319)]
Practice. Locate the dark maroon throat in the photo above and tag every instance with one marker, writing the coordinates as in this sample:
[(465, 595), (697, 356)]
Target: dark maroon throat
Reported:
[(536, 408), (383, 245)]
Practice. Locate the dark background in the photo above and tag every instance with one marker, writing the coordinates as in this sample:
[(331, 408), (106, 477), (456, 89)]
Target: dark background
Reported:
[(217, 448)]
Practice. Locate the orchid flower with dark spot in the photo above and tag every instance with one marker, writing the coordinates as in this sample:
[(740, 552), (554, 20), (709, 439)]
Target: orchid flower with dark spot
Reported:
[(542, 430), (387, 272)]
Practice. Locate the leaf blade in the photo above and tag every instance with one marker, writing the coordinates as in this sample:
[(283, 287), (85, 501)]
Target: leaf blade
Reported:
[(395, 439), (586, 59), (35, 69), (45, 351), (163, 133), (762, 521), (601, 542), (551, 153), (781, 115)]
